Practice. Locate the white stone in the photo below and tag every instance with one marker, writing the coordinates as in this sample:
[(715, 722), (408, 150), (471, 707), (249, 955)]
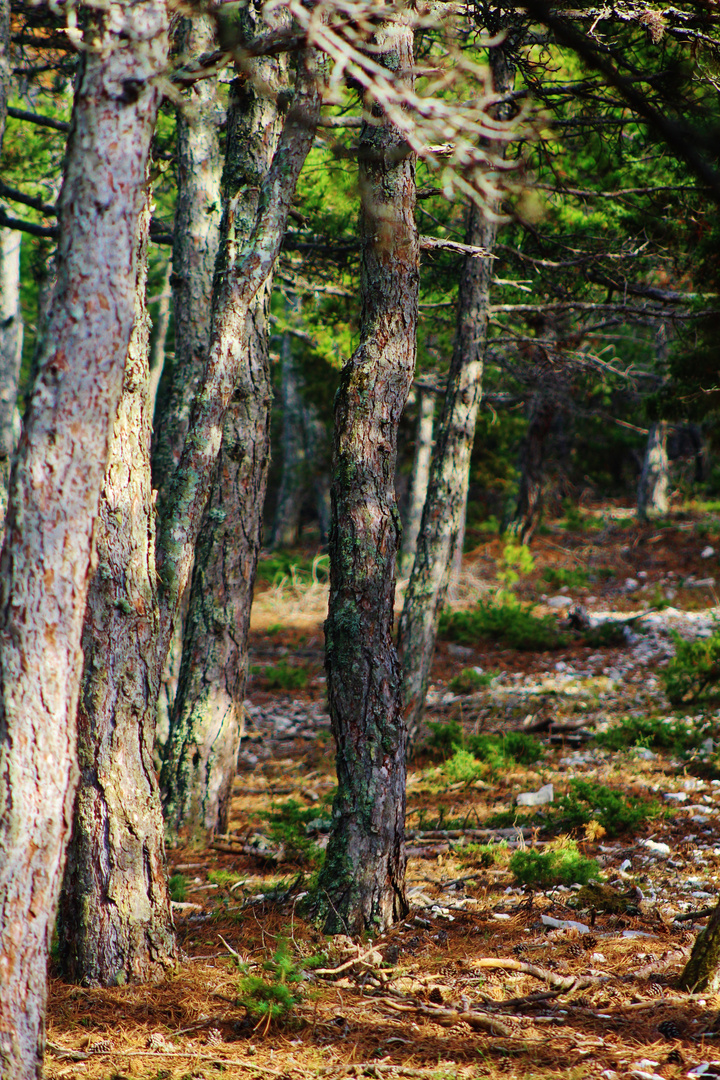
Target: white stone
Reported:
[(657, 848), (536, 798), (707, 552), (559, 602)]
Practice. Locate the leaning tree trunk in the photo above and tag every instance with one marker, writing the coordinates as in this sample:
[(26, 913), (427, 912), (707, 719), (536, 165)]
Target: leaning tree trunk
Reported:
[(652, 499), (444, 512), (114, 923), (53, 501), (11, 341), (362, 884), (196, 235), (420, 478), (702, 971), (206, 723)]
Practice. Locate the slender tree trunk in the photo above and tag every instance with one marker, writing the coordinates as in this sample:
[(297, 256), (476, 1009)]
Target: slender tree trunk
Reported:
[(293, 479), (158, 338), (11, 341), (420, 478), (362, 884), (652, 496), (316, 457), (196, 236), (206, 723), (444, 511), (114, 922), (53, 502), (532, 456), (5, 65)]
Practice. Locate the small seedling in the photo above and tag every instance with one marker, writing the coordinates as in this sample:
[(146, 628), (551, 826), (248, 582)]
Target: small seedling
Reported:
[(177, 887), (470, 679), (271, 998), (560, 864)]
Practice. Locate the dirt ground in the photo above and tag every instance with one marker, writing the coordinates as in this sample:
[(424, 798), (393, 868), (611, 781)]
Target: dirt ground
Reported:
[(486, 976)]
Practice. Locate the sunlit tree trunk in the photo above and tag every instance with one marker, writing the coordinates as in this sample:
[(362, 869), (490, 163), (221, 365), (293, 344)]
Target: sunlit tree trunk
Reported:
[(420, 478), (206, 723), (11, 341), (114, 924), (362, 884), (444, 512), (54, 492), (652, 498)]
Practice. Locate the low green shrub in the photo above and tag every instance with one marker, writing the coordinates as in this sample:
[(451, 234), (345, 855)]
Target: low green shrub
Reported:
[(653, 732), (559, 864), (514, 748), (271, 998), (177, 887), (483, 855), (557, 576), (693, 675), (585, 802), (470, 679), (282, 676), (287, 827), (511, 622), (284, 564), (606, 635)]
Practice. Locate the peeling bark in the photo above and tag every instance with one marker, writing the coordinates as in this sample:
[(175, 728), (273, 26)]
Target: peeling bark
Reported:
[(54, 491), (206, 723), (114, 922), (11, 342), (444, 512), (362, 884), (652, 497)]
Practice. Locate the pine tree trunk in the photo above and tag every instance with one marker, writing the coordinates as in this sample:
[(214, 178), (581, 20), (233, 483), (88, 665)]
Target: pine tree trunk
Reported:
[(293, 479), (532, 455), (444, 512), (206, 723), (11, 341), (702, 971), (158, 338), (652, 497), (114, 922), (420, 478), (5, 65), (362, 884), (54, 491)]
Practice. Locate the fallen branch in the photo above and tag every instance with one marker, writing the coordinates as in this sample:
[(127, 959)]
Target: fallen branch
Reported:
[(347, 965), (563, 983), (448, 1017)]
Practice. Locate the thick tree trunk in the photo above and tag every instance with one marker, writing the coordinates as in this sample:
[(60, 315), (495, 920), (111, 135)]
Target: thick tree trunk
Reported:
[(702, 971), (652, 496), (293, 479), (11, 341), (206, 723), (528, 509), (420, 478), (362, 884), (444, 512), (114, 923), (53, 503)]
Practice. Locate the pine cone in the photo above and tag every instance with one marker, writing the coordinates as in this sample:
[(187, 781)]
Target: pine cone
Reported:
[(589, 942), (575, 949), (104, 1046), (214, 1037), (669, 1030), (655, 990), (675, 1058)]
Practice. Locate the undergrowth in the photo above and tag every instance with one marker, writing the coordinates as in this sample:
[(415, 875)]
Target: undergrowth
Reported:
[(287, 826), (282, 676), (512, 748), (557, 576), (560, 864), (693, 675), (284, 565), (654, 732), (510, 622), (470, 679), (272, 997)]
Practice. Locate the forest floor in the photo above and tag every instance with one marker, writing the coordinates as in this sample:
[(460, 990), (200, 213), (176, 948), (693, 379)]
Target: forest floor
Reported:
[(495, 970)]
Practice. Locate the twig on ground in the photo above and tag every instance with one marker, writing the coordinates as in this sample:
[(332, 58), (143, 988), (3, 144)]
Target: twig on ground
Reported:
[(560, 982), (360, 959), (448, 1017)]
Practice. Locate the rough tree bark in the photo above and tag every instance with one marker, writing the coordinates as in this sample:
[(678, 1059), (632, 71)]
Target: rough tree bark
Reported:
[(652, 496), (5, 65), (114, 922), (420, 478), (206, 723), (362, 884), (196, 235), (444, 511), (53, 502), (543, 409), (702, 971), (11, 342)]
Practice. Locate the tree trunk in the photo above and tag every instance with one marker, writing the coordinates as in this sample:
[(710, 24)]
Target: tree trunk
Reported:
[(532, 455), (114, 922), (5, 65), (420, 478), (206, 723), (196, 236), (158, 338), (11, 341), (53, 502), (652, 497), (444, 512), (702, 971), (362, 884), (293, 479)]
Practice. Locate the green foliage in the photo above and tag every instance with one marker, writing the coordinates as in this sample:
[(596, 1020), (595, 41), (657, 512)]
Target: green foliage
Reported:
[(483, 855), (223, 878), (282, 676), (463, 768), (470, 679), (287, 827), (271, 998), (559, 864), (585, 802), (606, 635), (177, 887), (654, 732), (558, 576), (513, 623), (516, 561), (445, 737), (497, 751), (284, 565), (693, 675)]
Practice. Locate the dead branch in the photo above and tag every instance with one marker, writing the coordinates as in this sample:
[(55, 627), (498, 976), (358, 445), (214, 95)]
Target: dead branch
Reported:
[(563, 983)]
